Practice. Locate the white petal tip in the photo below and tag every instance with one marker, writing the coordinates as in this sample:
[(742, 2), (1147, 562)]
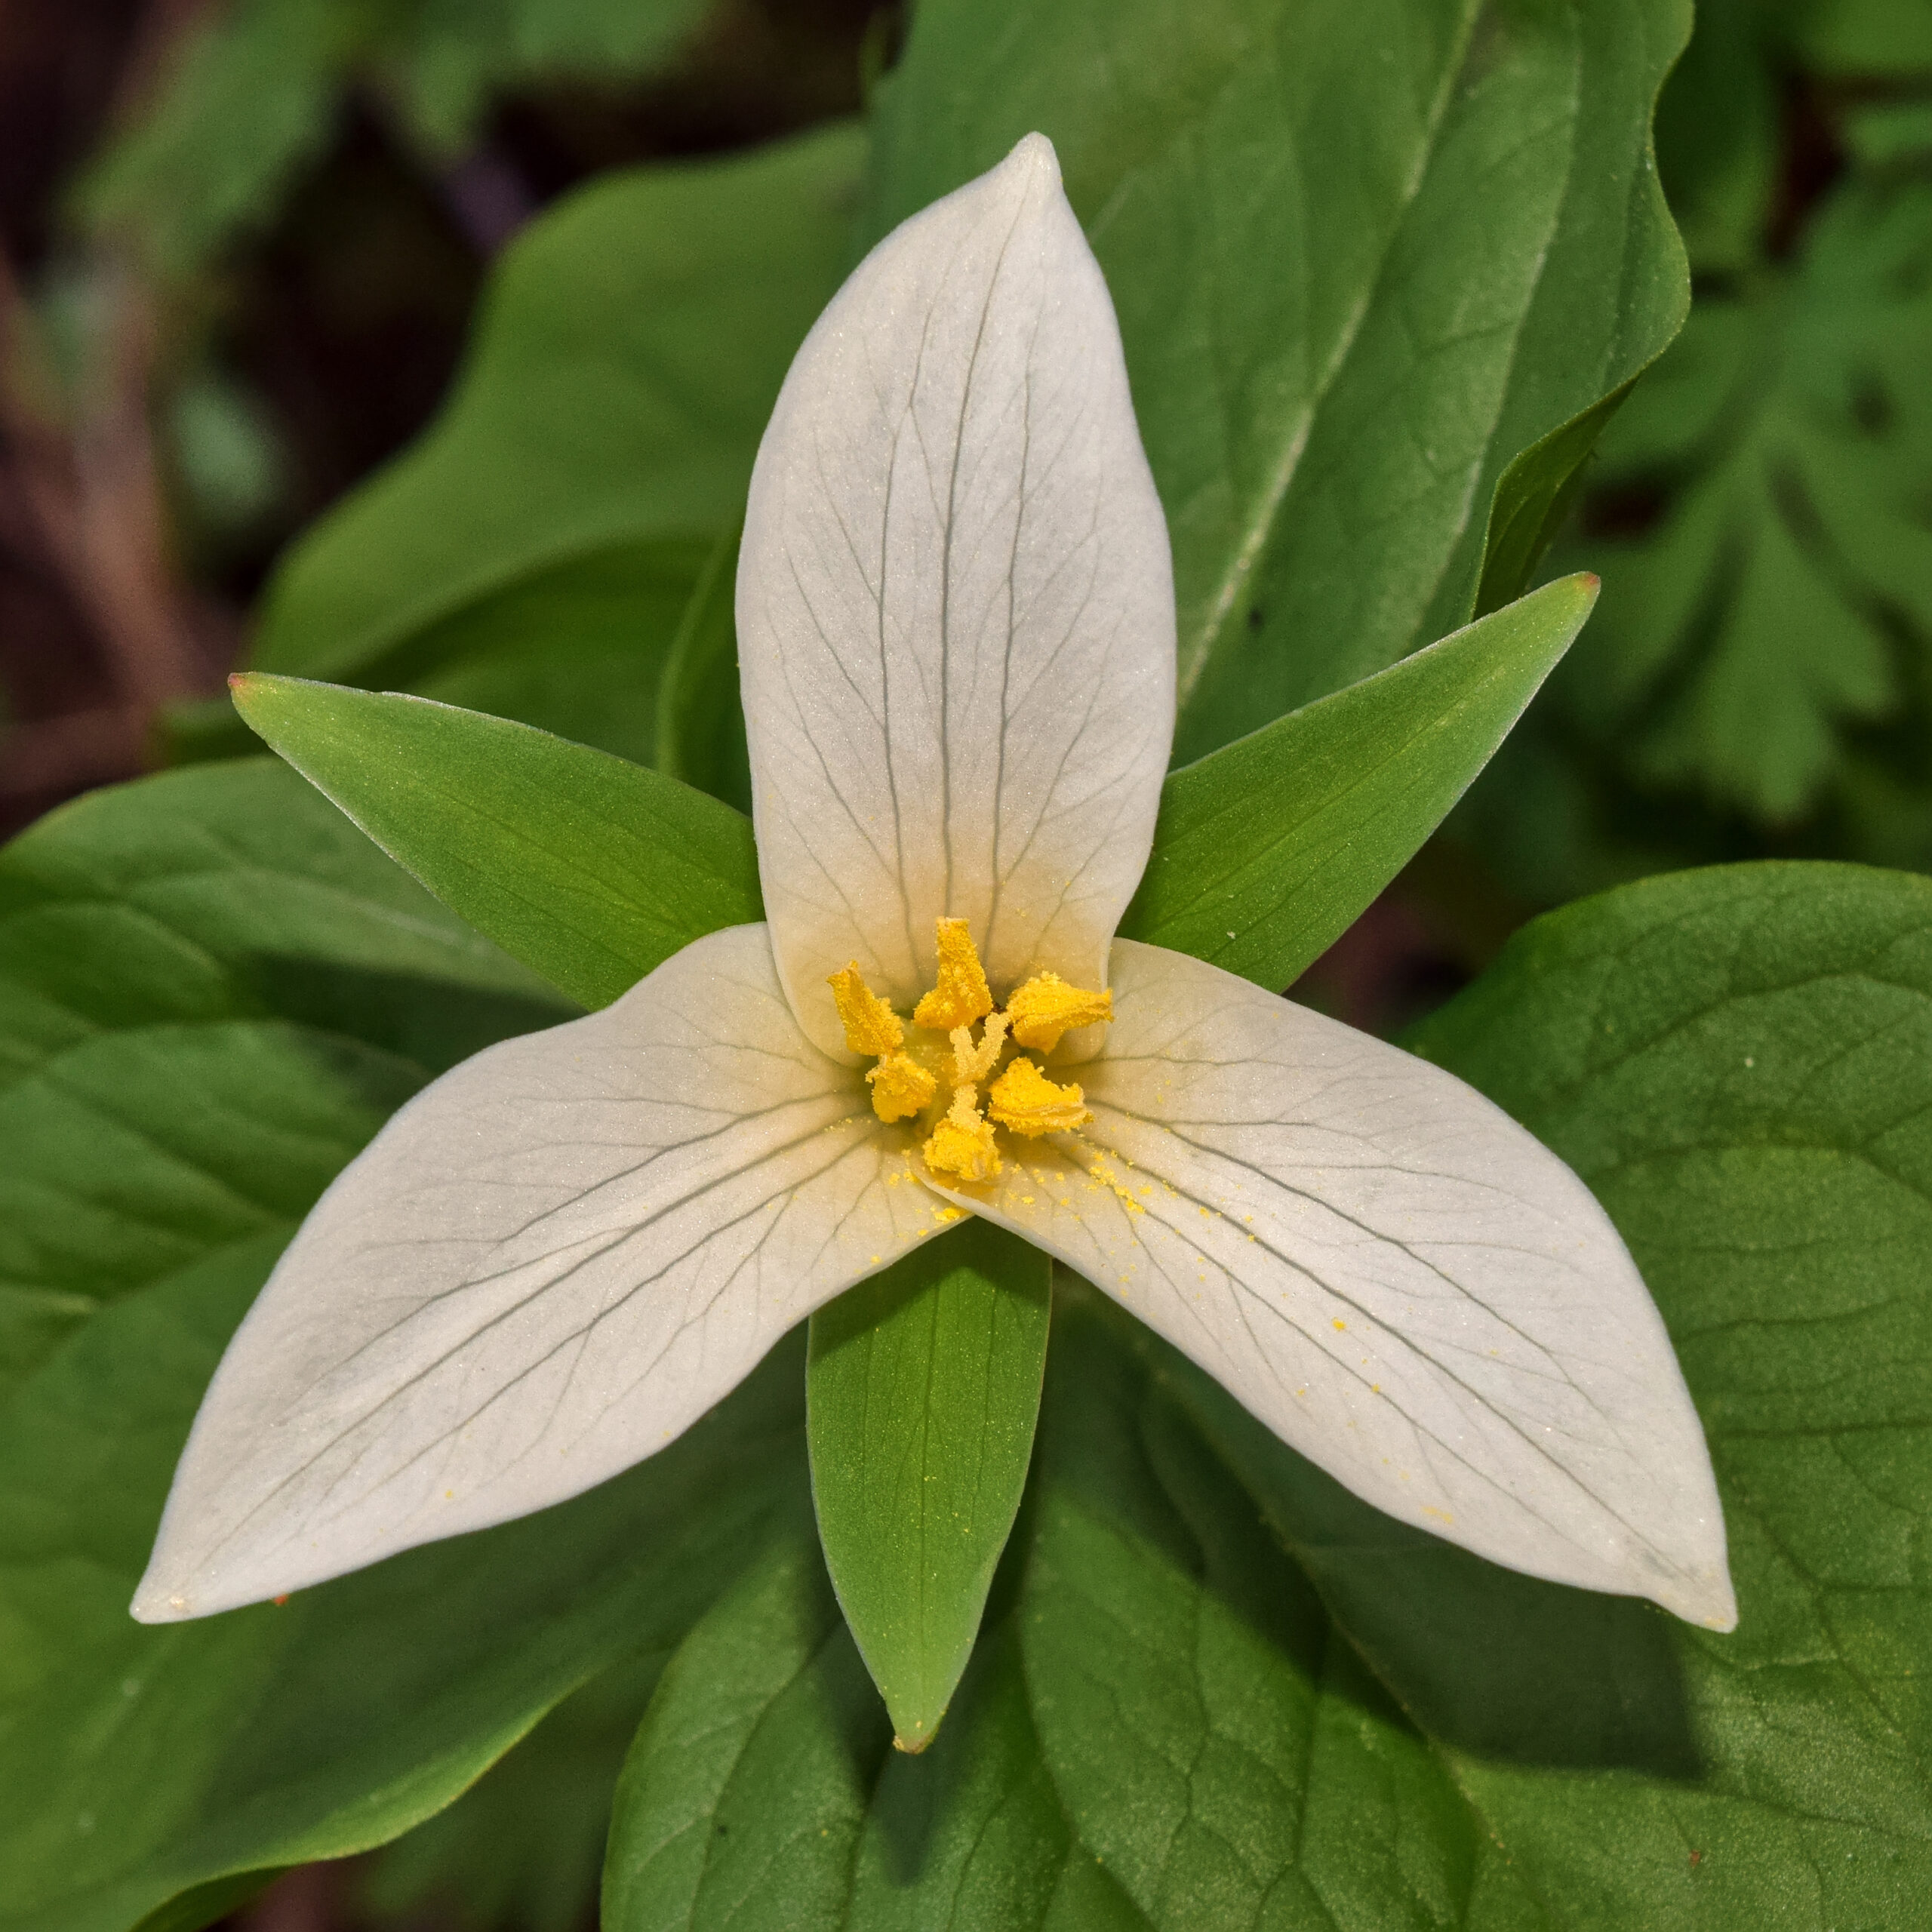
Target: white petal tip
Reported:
[(157, 1606), (1708, 1601), (1033, 154)]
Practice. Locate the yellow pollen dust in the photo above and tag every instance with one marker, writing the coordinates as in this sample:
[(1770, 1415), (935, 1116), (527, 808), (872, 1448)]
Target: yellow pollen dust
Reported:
[(901, 1087), (1047, 1006), (962, 1143), (961, 995), (871, 1025), (1025, 1100)]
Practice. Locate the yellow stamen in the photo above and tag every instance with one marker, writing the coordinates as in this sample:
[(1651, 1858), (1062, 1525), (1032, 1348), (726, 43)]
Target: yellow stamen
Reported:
[(961, 995), (962, 1143), (971, 1064), (871, 1025), (900, 1087), (1046, 1007), (1025, 1100)]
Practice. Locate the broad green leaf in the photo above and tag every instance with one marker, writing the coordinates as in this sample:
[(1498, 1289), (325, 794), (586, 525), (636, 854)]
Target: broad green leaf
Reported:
[(588, 869), (521, 1850), (1266, 851), (1160, 1729), (629, 348), (1737, 1061), (700, 724), (140, 1763), (212, 992), (1181, 1714), (922, 1394), (742, 1798), (212, 989), (580, 649), (1364, 256)]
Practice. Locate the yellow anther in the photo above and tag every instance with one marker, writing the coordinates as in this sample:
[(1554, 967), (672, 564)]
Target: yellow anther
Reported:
[(871, 1025), (962, 1143), (1025, 1100), (1046, 1007), (961, 995), (971, 1064), (900, 1087)]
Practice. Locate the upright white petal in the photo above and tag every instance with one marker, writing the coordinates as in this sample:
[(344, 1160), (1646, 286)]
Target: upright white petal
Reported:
[(1390, 1273), (545, 1267), (955, 608)]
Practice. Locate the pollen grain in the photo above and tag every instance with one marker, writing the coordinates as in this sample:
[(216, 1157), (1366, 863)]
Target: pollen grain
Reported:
[(1023, 1099), (1047, 1006), (962, 995), (871, 1026)]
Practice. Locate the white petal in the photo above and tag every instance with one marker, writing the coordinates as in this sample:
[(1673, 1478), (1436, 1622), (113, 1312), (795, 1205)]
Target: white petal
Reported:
[(1389, 1272), (545, 1267), (956, 609)]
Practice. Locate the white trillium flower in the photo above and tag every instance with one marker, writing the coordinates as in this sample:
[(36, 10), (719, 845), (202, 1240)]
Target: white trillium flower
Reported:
[(955, 622)]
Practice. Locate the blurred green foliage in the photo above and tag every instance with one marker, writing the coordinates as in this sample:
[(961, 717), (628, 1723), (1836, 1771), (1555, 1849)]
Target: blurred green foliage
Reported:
[(257, 92), (1758, 677)]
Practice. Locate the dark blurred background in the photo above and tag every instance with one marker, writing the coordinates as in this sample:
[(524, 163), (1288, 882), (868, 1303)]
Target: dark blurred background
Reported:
[(240, 244), (232, 282)]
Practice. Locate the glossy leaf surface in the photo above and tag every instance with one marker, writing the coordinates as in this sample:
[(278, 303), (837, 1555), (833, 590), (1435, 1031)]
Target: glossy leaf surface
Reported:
[(921, 1396), (1363, 256)]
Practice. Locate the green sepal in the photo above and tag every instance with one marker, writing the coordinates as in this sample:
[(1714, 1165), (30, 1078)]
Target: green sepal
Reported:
[(589, 869), (920, 1398), (1267, 851)]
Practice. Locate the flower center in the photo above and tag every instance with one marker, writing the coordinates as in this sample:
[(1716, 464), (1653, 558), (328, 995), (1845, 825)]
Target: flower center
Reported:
[(960, 1140)]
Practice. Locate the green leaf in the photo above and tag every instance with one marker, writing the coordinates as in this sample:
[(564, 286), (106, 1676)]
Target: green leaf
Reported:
[(580, 649), (140, 1764), (700, 734), (630, 344), (521, 1850), (921, 1396), (743, 1796), (212, 992), (1214, 1686), (1736, 1062), (1160, 1728), (1266, 851), (1363, 256), (590, 870)]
